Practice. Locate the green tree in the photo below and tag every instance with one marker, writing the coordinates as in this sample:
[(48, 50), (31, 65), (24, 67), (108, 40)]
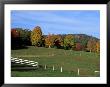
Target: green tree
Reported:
[(25, 36), (36, 36), (69, 41)]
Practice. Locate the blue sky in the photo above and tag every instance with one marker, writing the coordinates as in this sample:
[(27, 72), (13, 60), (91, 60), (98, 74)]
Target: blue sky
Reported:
[(58, 21)]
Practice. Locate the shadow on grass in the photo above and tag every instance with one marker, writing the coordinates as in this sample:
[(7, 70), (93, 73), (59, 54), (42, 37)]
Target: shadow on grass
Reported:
[(19, 47), (24, 69), (19, 67)]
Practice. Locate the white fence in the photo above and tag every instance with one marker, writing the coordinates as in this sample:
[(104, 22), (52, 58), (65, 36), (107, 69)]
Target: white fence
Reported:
[(23, 61)]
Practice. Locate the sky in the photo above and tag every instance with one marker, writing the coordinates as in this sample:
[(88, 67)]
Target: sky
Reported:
[(58, 21)]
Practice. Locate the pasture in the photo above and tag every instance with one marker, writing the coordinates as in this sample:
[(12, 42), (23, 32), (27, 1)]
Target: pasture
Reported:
[(69, 60)]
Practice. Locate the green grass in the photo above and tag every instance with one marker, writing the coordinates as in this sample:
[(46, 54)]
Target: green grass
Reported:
[(70, 61)]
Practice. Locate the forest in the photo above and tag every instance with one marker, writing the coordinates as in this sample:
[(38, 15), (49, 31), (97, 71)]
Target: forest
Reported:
[(21, 38)]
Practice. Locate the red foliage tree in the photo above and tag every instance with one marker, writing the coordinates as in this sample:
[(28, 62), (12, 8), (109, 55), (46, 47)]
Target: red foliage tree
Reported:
[(15, 39), (15, 33), (78, 47)]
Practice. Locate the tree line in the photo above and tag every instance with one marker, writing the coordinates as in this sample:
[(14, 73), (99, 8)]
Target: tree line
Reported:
[(20, 38)]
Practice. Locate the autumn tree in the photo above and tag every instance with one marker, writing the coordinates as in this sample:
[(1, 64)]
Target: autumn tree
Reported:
[(54, 41), (15, 40), (91, 45), (58, 41), (15, 33), (36, 36), (78, 46), (82, 39), (98, 47), (20, 37), (48, 41), (69, 41)]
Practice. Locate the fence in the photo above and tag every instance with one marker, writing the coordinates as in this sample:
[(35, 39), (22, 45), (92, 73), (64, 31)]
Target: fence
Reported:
[(36, 65), (25, 62)]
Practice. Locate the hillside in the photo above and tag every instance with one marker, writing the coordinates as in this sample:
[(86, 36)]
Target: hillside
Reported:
[(79, 36)]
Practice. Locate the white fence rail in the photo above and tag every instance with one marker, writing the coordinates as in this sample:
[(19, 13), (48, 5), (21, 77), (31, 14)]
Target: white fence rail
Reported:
[(23, 61)]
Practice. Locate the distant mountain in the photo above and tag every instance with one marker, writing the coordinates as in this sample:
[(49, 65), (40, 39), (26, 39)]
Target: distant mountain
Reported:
[(85, 36), (79, 36)]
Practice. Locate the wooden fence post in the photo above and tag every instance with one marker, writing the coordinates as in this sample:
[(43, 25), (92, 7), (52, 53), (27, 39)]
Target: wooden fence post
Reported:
[(45, 66), (61, 69), (53, 68), (78, 71)]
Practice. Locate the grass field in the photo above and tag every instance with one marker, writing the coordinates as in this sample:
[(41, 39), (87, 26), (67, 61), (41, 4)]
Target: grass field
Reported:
[(70, 61)]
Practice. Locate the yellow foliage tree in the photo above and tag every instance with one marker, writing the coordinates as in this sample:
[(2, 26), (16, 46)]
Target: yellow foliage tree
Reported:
[(48, 41), (36, 36)]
